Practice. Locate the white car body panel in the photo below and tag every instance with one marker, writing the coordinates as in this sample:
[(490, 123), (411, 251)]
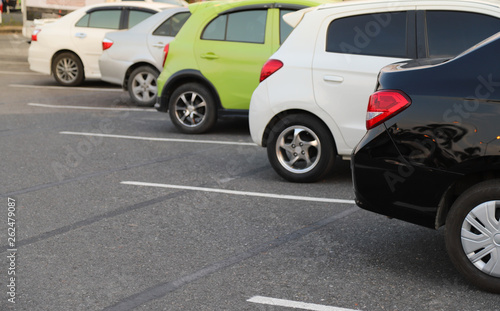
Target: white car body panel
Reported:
[(61, 35), (133, 46), (334, 87)]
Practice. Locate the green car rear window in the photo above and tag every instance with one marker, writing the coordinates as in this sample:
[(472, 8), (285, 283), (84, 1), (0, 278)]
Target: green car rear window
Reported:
[(245, 26)]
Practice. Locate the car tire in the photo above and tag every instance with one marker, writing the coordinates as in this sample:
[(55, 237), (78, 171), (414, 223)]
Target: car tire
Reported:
[(67, 69), (472, 235), (192, 108), (142, 85), (300, 148)]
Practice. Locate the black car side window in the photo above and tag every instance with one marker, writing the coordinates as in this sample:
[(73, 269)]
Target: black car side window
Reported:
[(451, 32), (245, 26), (381, 34)]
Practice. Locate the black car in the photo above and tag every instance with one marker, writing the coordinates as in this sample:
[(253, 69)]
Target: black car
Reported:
[(431, 155)]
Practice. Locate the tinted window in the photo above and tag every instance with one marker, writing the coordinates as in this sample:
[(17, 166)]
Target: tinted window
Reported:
[(450, 33), (382, 34), (109, 19), (171, 26), (285, 29), (84, 21), (216, 30), (135, 17), (247, 26)]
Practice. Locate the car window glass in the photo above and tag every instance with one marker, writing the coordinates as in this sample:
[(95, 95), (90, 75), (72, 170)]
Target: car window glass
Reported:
[(84, 21), (171, 26), (108, 19), (381, 34), (216, 30), (285, 29), (449, 33), (246, 26), (136, 16)]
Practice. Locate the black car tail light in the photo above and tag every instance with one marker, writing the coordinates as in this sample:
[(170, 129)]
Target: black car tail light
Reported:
[(270, 67), (384, 105)]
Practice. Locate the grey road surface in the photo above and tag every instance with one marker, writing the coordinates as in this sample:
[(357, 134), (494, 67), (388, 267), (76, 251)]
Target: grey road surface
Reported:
[(113, 209)]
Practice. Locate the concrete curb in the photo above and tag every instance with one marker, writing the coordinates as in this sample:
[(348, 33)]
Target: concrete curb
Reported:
[(11, 29)]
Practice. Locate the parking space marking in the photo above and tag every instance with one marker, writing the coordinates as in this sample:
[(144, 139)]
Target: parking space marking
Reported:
[(294, 304), (244, 193), (93, 89), (20, 73), (219, 142), (90, 108)]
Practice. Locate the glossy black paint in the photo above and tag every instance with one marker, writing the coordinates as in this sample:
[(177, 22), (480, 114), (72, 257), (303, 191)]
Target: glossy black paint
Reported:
[(414, 165)]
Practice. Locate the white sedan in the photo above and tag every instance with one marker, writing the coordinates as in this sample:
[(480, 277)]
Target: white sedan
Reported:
[(134, 58), (70, 47)]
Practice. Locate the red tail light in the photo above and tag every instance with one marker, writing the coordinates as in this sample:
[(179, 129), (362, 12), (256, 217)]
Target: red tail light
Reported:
[(165, 54), (34, 35), (106, 44), (270, 67), (384, 105)]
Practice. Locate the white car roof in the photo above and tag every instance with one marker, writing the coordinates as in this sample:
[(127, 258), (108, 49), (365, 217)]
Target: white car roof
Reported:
[(294, 18)]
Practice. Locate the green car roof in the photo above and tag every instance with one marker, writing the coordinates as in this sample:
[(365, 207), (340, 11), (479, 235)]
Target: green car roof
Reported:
[(221, 6)]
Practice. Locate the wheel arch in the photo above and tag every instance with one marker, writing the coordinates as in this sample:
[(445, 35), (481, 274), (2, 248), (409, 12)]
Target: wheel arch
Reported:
[(285, 113), (183, 77), (459, 187), (56, 54), (134, 67)]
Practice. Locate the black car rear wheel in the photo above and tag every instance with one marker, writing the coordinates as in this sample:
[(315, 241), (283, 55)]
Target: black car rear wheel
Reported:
[(300, 148), (473, 235), (192, 108)]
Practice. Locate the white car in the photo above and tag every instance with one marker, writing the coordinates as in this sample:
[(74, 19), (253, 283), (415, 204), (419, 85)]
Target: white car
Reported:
[(69, 48), (134, 58), (310, 106)]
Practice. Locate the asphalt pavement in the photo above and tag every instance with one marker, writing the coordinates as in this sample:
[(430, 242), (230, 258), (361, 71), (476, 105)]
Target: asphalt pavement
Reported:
[(105, 206)]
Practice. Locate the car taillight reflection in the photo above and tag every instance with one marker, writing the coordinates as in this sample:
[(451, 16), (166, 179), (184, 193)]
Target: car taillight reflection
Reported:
[(106, 44), (384, 105), (270, 67), (165, 54)]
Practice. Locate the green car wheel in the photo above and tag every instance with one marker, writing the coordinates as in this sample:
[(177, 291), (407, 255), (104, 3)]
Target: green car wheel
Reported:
[(192, 109)]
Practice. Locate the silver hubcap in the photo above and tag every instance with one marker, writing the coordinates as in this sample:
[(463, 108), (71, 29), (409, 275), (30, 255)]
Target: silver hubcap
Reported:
[(298, 149), (481, 237), (144, 87), (190, 109), (67, 70)]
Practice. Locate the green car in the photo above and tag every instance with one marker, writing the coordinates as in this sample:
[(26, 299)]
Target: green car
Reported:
[(213, 65)]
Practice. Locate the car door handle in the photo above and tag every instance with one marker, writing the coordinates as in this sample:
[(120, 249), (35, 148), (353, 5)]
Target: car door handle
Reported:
[(80, 35), (337, 79), (159, 45), (209, 55)]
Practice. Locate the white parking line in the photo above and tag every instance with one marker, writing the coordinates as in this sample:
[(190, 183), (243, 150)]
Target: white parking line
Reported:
[(93, 89), (218, 142), (244, 193), (294, 304), (90, 108)]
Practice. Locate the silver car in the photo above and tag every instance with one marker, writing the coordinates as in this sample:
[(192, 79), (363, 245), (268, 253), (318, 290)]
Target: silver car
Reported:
[(134, 58)]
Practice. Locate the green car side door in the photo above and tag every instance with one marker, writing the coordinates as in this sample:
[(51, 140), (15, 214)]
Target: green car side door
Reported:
[(232, 49)]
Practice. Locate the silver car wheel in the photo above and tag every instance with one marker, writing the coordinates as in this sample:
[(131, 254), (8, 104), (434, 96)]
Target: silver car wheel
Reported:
[(190, 109), (480, 237), (67, 70), (144, 87), (298, 149)]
